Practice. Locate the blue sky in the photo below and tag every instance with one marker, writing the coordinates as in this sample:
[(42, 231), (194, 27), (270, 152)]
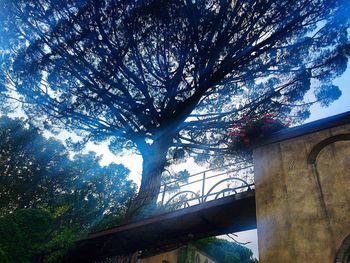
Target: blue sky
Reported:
[(340, 105)]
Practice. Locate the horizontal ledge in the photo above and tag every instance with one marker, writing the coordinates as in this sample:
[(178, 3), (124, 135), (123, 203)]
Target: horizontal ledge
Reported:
[(322, 124)]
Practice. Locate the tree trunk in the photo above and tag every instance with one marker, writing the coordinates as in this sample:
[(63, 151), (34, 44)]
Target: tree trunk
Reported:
[(154, 161), (145, 204)]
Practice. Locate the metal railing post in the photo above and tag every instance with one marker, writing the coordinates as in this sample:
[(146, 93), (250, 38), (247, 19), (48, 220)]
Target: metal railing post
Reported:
[(203, 187), (163, 196)]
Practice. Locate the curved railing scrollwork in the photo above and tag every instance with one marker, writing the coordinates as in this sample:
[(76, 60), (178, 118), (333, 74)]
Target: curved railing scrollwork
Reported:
[(185, 200), (243, 185), (221, 182)]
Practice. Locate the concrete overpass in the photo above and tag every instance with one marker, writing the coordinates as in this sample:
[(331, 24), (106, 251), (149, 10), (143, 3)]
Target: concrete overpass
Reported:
[(221, 216)]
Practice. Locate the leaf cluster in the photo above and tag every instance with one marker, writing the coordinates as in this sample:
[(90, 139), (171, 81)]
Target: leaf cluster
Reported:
[(48, 199), (253, 130), (38, 172), (225, 251), (29, 235)]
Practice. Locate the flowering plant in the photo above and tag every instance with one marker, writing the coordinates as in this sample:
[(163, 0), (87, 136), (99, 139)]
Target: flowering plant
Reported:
[(251, 129)]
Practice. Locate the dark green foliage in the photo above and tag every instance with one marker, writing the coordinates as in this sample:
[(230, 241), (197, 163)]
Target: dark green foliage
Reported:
[(37, 172), (109, 221), (47, 199), (225, 251), (32, 168), (29, 235)]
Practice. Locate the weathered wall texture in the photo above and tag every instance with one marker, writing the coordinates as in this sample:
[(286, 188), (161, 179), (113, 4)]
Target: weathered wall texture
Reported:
[(185, 254), (303, 199), (170, 256)]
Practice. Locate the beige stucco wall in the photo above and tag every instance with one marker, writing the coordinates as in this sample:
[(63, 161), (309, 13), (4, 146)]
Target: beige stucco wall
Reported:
[(185, 254), (303, 210), (170, 256), (202, 257)]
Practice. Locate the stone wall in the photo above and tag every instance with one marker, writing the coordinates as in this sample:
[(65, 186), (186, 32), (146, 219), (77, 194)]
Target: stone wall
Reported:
[(303, 197)]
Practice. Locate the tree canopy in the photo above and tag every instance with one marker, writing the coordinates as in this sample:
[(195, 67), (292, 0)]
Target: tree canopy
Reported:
[(37, 172), (169, 78), (225, 251), (31, 235), (47, 199)]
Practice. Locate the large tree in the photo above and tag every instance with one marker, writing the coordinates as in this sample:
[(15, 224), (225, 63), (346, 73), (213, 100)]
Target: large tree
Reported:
[(167, 77)]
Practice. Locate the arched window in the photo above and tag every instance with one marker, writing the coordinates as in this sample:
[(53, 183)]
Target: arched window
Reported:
[(197, 260)]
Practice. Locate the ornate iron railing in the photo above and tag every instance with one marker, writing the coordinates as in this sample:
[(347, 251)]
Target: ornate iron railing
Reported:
[(205, 186)]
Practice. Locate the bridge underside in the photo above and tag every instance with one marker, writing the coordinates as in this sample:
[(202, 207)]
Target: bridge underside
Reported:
[(226, 215)]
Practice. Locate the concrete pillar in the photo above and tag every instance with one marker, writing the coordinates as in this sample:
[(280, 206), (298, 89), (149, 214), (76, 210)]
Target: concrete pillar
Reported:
[(303, 196)]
